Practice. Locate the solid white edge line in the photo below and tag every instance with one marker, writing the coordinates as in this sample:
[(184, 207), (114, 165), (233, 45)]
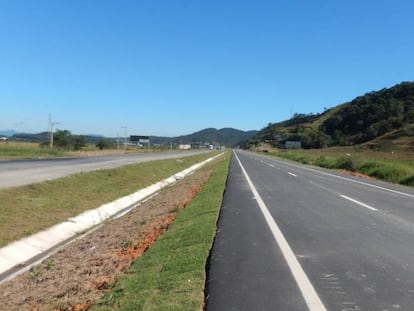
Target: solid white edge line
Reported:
[(358, 182), (309, 294), (359, 203), (345, 178)]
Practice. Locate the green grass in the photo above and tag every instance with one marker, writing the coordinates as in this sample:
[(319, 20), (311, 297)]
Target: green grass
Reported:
[(29, 209), (395, 172), (11, 150), (392, 167), (30, 150), (171, 274)]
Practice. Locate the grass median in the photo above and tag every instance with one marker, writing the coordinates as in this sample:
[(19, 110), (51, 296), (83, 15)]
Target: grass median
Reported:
[(171, 273), (29, 209)]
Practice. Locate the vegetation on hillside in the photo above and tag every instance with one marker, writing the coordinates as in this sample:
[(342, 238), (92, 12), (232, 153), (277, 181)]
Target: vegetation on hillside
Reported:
[(228, 137), (363, 119), (372, 115)]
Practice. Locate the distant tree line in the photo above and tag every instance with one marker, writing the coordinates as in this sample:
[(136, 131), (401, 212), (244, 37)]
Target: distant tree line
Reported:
[(63, 139)]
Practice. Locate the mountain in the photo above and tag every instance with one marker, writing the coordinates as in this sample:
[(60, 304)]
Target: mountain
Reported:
[(226, 136), (39, 137), (387, 112), (7, 133)]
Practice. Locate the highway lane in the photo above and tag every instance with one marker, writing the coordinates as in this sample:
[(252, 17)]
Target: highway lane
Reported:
[(353, 238), (15, 173), (247, 270)]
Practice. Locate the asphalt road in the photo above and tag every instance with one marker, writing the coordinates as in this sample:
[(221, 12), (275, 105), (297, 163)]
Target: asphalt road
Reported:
[(21, 172), (292, 237)]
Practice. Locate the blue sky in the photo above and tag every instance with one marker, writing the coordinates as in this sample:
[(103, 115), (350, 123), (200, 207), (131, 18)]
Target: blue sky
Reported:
[(173, 67)]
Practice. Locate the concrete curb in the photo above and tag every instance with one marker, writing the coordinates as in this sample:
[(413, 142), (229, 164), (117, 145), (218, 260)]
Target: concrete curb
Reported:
[(19, 254)]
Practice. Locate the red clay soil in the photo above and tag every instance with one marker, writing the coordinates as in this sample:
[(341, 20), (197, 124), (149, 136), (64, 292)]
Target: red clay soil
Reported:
[(355, 174), (81, 273)]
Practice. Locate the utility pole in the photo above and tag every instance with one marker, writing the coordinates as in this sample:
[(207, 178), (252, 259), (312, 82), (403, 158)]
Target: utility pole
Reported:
[(51, 125), (125, 140)]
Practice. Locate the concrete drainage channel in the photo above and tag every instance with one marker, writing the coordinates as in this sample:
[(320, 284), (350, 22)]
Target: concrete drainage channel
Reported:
[(21, 255)]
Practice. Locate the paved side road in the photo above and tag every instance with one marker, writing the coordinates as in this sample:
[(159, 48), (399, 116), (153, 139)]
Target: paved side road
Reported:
[(292, 237), (15, 173)]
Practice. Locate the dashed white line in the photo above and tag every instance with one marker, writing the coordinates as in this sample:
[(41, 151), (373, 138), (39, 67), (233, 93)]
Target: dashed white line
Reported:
[(347, 179), (271, 165), (291, 174), (360, 203), (309, 294), (351, 180)]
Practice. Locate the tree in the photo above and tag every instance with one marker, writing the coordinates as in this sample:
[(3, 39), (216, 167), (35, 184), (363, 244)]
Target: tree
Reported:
[(62, 139), (65, 140), (105, 144), (79, 142)]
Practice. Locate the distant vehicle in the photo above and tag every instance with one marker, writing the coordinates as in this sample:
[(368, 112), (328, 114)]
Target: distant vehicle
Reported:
[(184, 147), (3, 138)]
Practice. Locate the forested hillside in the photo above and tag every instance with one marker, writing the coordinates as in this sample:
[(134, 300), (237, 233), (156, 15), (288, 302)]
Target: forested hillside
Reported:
[(372, 115), (361, 120)]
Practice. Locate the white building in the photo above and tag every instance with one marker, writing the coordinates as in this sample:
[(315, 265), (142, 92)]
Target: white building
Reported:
[(184, 147)]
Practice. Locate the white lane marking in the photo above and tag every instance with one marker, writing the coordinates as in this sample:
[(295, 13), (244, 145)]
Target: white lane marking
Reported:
[(271, 165), (291, 174), (360, 182), (309, 294), (344, 178), (359, 203)]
